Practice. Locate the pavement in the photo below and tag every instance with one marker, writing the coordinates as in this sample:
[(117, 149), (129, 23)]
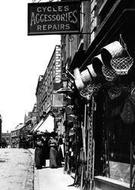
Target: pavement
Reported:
[(52, 178)]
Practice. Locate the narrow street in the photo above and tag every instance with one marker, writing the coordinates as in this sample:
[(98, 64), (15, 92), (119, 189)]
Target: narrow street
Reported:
[(17, 172)]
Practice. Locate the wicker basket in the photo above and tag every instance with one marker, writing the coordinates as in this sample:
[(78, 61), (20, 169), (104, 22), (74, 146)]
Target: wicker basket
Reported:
[(109, 73), (122, 64)]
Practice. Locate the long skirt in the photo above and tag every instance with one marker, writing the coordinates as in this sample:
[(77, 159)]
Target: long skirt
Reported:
[(53, 157), (59, 157), (38, 157)]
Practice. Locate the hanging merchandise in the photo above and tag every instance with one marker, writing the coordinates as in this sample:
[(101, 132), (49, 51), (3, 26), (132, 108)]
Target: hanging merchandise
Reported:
[(86, 76), (78, 80), (97, 64), (82, 78), (116, 57), (90, 147), (102, 68), (114, 92), (88, 90), (128, 114), (110, 51), (115, 101), (107, 53), (93, 70), (69, 109), (132, 96), (109, 73), (123, 62)]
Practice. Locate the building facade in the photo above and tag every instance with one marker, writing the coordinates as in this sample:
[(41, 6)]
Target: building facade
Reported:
[(48, 100), (6, 139), (15, 136)]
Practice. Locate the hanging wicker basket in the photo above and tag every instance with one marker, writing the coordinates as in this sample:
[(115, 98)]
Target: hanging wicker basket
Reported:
[(88, 91), (122, 64), (109, 73)]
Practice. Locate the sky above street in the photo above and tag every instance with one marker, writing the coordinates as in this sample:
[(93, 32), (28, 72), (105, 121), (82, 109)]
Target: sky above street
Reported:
[(22, 59)]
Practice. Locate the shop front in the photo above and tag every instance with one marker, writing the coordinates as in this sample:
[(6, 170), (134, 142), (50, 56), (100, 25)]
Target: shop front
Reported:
[(104, 105)]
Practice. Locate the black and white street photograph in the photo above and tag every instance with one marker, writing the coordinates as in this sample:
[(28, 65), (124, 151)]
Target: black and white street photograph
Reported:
[(67, 95)]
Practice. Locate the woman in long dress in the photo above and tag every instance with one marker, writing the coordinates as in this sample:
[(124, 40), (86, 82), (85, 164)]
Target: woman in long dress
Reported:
[(38, 152), (53, 152)]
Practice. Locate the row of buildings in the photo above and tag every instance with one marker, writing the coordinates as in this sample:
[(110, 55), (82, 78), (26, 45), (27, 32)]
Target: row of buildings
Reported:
[(87, 91)]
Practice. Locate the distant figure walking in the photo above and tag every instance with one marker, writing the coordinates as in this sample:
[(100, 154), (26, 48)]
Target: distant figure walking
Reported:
[(53, 151)]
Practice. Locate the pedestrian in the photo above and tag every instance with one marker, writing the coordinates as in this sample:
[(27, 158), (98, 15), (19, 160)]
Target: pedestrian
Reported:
[(38, 151), (46, 149), (60, 154), (53, 151)]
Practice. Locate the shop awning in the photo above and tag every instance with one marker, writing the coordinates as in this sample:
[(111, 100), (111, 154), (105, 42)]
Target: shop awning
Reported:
[(37, 126), (47, 125)]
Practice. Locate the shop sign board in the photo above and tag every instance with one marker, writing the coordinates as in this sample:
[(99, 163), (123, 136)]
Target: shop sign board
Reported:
[(54, 17)]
